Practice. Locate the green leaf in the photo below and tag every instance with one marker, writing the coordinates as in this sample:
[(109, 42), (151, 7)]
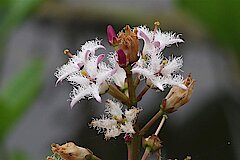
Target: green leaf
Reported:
[(220, 17), (19, 93)]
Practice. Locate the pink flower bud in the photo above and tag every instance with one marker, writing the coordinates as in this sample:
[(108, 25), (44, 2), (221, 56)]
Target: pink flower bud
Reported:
[(122, 58), (112, 37)]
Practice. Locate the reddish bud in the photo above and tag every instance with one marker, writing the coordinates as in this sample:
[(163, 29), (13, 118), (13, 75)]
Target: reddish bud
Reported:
[(127, 138), (112, 37), (122, 58)]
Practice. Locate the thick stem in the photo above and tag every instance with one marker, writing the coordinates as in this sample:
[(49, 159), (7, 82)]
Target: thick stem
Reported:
[(150, 123), (129, 147), (134, 145), (131, 88), (116, 93), (142, 93)]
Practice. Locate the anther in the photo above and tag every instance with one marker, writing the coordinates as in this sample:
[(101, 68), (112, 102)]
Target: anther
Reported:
[(156, 25), (67, 52)]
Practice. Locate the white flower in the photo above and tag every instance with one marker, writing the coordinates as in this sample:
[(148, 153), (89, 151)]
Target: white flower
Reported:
[(87, 72), (156, 39), (78, 61), (159, 71), (116, 122)]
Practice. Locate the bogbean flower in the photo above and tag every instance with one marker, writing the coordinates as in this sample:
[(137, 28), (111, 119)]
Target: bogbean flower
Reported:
[(156, 39), (158, 70), (87, 72), (115, 121), (77, 62)]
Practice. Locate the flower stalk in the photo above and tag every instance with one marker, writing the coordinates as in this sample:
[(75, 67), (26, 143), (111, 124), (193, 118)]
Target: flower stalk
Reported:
[(142, 93), (152, 143), (116, 93), (151, 122)]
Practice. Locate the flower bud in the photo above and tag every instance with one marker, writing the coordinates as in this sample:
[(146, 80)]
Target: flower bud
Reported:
[(112, 37), (178, 96), (129, 43), (70, 151), (122, 58), (128, 138), (152, 142)]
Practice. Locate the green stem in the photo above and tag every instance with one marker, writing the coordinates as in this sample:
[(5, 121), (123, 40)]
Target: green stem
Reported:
[(131, 87), (116, 93), (134, 145), (150, 123)]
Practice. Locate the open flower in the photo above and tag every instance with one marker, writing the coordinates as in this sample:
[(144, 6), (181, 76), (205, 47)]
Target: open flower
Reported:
[(77, 62), (87, 72), (177, 96), (160, 71), (156, 39), (116, 121)]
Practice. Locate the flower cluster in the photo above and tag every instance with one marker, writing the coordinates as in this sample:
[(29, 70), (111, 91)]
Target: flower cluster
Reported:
[(91, 76), (115, 121)]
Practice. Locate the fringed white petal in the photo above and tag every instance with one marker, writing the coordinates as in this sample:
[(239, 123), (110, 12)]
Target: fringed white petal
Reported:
[(173, 65), (113, 132), (114, 109), (131, 114), (79, 93), (128, 128)]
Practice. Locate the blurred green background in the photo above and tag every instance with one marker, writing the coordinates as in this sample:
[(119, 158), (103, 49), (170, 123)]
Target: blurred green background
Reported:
[(34, 113)]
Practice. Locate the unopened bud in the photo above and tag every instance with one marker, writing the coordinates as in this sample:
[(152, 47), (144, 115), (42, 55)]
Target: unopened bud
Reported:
[(128, 138), (70, 151), (177, 96), (129, 43), (121, 58), (112, 37), (152, 142)]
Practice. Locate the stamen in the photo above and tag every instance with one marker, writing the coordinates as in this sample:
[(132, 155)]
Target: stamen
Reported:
[(84, 73), (67, 52), (156, 25), (164, 62)]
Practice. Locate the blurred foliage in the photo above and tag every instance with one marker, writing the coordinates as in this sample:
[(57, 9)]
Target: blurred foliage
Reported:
[(18, 94), (18, 156), (22, 89), (13, 12), (220, 17)]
